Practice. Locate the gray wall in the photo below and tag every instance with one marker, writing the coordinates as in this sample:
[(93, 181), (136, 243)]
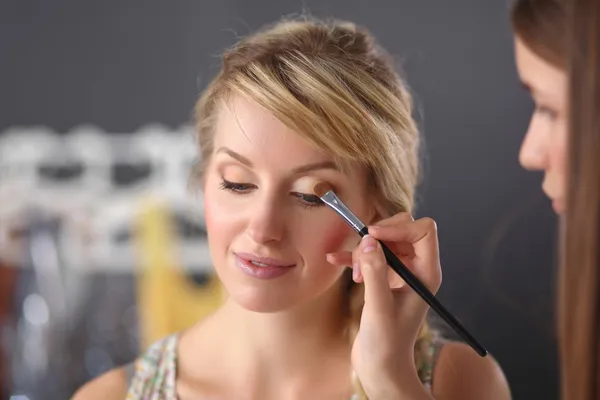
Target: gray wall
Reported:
[(120, 65)]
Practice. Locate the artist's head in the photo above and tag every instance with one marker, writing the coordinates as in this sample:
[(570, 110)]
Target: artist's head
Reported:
[(540, 52)]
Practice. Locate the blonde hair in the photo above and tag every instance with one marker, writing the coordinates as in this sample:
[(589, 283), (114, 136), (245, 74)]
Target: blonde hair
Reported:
[(331, 83)]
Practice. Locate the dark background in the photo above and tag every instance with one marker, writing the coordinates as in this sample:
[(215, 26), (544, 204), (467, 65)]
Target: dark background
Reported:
[(120, 65)]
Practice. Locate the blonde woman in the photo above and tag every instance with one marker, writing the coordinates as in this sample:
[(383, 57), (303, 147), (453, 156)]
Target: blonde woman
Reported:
[(297, 103)]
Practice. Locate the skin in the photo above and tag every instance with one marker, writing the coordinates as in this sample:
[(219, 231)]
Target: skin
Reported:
[(544, 147), (286, 336)]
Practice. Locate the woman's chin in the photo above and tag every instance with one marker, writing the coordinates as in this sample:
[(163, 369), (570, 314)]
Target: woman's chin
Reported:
[(262, 302)]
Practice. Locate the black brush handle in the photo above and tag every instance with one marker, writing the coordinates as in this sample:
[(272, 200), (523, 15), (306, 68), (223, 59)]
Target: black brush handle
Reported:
[(429, 297)]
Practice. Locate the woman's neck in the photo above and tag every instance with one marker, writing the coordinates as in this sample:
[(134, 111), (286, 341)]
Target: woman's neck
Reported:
[(282, 354), (292, 337)]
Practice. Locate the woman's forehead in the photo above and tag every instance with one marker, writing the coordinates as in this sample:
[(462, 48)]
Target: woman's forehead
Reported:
[(247, 129)]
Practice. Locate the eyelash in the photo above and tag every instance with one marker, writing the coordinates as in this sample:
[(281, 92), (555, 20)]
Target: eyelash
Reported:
[(306, 200), (546, 111)]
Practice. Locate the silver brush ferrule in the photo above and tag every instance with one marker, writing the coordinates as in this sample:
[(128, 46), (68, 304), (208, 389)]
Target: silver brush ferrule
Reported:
[(334, 202)]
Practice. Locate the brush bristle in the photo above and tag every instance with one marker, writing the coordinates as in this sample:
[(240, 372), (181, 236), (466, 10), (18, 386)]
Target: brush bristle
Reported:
[(321, 188)]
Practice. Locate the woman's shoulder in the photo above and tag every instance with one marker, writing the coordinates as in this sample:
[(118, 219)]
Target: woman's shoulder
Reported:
[(158, 360), (110, 385), (461, 373)]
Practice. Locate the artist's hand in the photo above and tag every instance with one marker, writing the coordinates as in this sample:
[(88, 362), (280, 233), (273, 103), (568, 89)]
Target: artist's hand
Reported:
[(383, 351)]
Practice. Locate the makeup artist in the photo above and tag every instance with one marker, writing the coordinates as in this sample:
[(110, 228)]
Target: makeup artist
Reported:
[(557, 47), (298, 103)]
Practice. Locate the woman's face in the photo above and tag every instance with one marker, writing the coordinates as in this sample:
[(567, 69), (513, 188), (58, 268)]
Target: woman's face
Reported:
[(545, 144), (268, 233)]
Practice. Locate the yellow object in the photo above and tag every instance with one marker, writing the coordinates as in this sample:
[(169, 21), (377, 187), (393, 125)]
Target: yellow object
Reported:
[(168, 301)]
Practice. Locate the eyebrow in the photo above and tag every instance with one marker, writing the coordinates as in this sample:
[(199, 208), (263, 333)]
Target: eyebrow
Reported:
[(532, 90), (302, 169), (526, 86)]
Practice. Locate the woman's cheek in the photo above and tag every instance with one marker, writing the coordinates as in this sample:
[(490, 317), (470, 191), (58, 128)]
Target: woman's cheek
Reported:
[(335, 236), (209, 212), (558, 156), (216, 211)]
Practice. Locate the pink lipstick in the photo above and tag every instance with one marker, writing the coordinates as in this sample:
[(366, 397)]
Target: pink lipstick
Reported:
[(262, 267)]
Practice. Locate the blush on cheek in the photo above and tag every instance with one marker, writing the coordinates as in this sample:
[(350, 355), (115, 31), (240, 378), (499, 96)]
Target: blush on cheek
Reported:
[(207, 212), (223, 218), (337, 236), (213, 212)]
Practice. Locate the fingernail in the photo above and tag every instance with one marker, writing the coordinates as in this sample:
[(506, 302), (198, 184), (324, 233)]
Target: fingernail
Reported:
[(368, 244), (355, 270)]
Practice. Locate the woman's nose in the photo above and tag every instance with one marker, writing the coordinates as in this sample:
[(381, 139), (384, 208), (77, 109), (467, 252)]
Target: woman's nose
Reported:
[(266, 222)]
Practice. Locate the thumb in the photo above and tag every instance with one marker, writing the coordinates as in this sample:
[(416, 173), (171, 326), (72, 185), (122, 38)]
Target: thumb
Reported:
[(374, 269)]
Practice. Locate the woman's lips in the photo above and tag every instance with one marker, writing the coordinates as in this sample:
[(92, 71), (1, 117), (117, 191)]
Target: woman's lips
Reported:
[(262, 267)]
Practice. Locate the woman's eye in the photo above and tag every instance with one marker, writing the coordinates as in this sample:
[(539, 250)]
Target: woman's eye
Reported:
[(309, 200), (306, 200), (236, 187), (546, 112)]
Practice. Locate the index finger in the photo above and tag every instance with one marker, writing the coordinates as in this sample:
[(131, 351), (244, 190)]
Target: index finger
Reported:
[(422, 234)]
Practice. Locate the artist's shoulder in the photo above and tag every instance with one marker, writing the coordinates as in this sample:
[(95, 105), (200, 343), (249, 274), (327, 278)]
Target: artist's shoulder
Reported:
[(461, 373), (110, 385)]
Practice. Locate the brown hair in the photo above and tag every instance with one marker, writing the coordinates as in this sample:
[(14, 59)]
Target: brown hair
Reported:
[(540, 24), (333, 84), (579, 307), (568, 36)]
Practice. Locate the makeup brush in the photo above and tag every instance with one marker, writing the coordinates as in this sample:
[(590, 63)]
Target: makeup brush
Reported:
[(326, 194)]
